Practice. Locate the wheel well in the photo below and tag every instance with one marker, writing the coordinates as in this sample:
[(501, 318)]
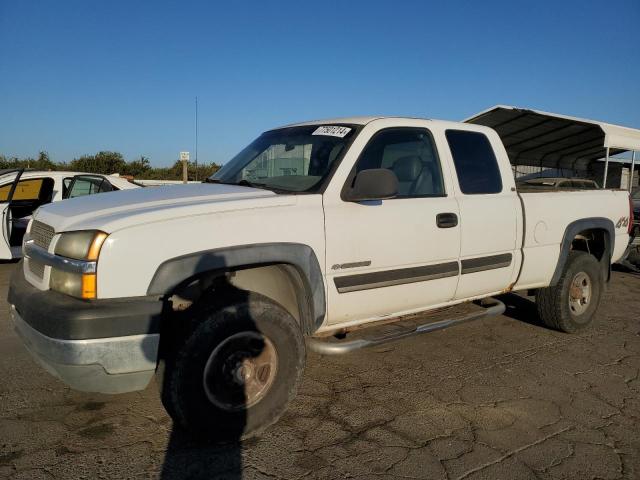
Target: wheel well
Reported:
[(595, 236), (281, 283), (593, 241)]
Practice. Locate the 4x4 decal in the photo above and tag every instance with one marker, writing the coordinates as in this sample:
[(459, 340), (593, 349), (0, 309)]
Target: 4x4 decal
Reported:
[(623, 222)]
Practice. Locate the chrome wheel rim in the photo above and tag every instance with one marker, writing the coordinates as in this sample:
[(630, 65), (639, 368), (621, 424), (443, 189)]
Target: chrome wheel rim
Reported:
[(240, 371), (580, 293)]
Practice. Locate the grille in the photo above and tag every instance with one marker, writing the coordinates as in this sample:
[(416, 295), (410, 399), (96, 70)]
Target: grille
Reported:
[(42, 234), (36, 268)]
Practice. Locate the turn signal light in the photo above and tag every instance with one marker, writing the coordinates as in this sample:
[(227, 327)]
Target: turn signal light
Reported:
[(89, 286)]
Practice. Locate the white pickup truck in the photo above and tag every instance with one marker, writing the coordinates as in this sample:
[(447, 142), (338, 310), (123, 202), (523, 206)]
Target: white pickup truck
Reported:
[(309, 234)]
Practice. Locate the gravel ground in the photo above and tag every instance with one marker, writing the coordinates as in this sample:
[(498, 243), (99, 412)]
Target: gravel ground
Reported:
[(502, 398)]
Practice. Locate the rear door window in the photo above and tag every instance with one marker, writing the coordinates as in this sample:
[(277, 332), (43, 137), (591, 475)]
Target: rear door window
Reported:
[(475, 162), (88, 185)]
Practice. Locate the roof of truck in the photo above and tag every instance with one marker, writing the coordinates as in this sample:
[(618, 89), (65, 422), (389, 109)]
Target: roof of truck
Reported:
[(534, 137), (362, 120)]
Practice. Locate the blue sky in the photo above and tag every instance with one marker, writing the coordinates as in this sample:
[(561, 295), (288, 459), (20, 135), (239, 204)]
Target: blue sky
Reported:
[(77, 77)]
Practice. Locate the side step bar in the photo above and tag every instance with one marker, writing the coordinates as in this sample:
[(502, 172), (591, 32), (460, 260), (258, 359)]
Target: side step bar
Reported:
[(492, 306)]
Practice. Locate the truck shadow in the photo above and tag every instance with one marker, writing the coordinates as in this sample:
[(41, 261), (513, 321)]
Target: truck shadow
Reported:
[(191, 457), (194, 457), (626, 267), (521, 308)]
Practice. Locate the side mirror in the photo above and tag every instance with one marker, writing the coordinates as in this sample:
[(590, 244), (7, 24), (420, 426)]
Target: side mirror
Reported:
[(373, 184)]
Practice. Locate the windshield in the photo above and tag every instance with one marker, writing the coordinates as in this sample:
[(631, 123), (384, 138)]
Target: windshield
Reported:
[(295, 159)]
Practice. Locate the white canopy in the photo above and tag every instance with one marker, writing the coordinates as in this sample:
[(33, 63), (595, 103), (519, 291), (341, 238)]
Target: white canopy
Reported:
[(550, 140)]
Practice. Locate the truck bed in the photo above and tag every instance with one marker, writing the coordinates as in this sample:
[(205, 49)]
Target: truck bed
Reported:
[(524, 188), (546, 218)]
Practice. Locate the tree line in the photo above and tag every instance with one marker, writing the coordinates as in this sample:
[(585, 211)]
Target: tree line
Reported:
[(107, 163)]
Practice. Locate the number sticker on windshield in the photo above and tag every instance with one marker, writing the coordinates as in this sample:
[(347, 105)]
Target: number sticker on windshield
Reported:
[(332, 130)]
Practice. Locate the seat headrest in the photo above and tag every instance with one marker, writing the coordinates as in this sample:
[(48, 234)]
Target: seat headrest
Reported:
[(408, 168)]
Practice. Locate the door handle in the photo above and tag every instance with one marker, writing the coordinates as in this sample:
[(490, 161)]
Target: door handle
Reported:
[(446, 220)]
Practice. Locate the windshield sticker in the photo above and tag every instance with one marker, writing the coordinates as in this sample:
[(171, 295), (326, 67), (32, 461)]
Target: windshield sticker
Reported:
[(332, 130)]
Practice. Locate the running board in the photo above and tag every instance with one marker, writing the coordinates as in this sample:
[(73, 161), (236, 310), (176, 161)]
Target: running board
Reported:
[(492, 307)]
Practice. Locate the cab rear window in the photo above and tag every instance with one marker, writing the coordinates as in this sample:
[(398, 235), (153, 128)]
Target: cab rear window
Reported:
[(475, 162)]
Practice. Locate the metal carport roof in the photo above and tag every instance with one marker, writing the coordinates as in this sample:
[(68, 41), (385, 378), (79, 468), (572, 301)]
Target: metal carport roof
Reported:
[(549, 140)]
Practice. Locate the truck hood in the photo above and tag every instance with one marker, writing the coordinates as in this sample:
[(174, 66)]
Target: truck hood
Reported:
[(115, 210)]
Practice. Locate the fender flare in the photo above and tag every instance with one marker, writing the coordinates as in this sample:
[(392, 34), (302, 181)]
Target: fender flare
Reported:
[(175, 271), (570, 233)]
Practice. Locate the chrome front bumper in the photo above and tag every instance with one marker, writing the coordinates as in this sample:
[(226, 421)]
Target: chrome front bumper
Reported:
[(104, 365), (31, 250)]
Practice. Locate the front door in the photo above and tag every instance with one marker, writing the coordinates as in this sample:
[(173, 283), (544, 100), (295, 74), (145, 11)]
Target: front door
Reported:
[(398, 255)]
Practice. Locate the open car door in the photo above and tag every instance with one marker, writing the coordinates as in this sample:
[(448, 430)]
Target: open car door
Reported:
[(19, 198), (82, 185), (6, 195)]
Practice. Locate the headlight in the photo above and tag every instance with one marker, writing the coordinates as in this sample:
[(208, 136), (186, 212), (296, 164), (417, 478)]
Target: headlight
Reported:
[(73, 283), (84, 246)]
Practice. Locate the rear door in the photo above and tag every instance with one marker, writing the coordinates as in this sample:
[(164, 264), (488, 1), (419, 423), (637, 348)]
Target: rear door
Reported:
[(82, 185), (490, 213)]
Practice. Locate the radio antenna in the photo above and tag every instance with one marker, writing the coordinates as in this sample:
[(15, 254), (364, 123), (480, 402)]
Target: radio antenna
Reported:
[(196, 138)]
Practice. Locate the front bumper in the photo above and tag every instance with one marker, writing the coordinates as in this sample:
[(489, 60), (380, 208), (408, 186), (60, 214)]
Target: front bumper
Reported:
[(106, 346)]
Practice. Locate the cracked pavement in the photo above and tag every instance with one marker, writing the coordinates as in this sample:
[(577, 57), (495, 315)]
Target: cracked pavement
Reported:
[(501, 398)]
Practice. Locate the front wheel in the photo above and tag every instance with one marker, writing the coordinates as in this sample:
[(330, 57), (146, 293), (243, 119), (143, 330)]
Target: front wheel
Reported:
[(237, 370), (571, 305)]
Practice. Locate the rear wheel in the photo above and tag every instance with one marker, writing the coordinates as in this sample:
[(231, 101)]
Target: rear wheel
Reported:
[(571, 304), (235, 371)]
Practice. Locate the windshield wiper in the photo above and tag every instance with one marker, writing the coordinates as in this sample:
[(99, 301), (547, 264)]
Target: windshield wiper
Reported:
[(263, 186), (243, 182), (220, 182), (246, 183)]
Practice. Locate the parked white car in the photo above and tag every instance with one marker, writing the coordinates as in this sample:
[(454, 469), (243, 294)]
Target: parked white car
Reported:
[(313, 230), (22, 192)]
